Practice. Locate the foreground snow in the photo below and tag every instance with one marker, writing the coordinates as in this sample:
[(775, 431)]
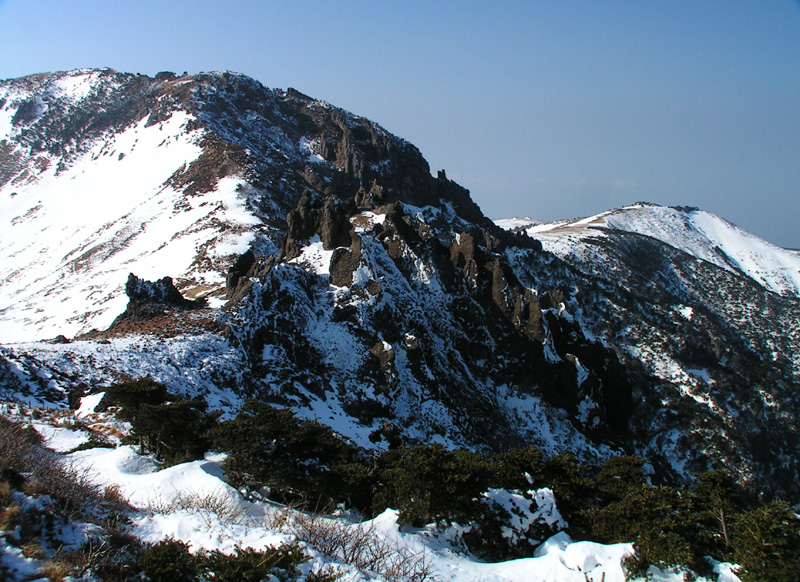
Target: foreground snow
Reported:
[(173, 502), (191, 502), (184, 502)]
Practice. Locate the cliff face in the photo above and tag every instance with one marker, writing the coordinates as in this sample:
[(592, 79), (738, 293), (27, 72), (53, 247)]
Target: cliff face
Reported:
[(303, 255)]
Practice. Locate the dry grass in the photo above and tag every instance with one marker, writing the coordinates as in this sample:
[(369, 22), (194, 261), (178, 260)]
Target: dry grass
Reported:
[(357, 545), (113, 494), (21, 450), (55, 570), (33, 551), (34, 488), (10, 518), (104, 560), (68, 422), (5, 494), (360, 546), (211, 507), (74, 496)]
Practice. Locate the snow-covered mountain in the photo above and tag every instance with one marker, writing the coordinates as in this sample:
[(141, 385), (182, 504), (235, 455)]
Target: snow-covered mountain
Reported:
[(690, 230), (323, 267)]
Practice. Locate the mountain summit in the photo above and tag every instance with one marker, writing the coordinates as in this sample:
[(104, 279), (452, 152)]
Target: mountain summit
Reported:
[(103, 173), (230, 240)]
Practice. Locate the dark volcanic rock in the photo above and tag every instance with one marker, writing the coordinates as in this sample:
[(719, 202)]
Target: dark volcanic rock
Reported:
[(162, 291), (344, 262), (452, 327), (327, 218), (147, 299), (240, 276)]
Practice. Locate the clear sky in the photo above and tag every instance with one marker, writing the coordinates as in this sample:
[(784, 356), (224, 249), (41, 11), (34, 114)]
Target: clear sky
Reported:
[(551, 109)]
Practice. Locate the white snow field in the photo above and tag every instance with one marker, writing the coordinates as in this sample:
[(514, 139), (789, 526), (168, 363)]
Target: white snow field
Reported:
[(71, 236)]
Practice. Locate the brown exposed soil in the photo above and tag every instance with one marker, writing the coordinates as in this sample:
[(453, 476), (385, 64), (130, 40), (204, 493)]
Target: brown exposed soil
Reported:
[(218, 160), (170, 324)]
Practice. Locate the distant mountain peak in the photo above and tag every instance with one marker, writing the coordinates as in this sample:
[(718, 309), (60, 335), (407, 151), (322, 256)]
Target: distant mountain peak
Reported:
[(687, 228)]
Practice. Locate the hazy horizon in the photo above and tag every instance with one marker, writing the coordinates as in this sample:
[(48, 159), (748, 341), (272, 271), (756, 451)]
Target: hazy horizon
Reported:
[(548, 110)]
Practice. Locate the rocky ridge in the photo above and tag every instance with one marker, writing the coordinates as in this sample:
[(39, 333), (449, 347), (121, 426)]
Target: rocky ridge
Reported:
[(342, 279)]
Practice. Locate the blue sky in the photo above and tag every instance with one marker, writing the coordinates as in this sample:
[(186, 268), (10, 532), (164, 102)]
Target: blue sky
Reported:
[(540, 108)]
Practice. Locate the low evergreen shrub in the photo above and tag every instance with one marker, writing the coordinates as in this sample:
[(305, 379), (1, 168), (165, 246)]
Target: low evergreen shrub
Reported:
[(431, 483), (171, 561), (171, 428), (299, 460), (767, 543), (249, 565)]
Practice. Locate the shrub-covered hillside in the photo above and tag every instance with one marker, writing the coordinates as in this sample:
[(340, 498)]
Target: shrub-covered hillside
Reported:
[(134, 492)]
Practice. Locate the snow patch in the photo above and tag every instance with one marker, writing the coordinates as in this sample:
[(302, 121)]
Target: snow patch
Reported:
[(88, 404), (77, 84), (129, 222), (315, 257)]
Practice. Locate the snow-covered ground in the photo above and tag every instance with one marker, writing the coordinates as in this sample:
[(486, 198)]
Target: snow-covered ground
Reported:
[(165, 500), (517, 223), (192, 365)]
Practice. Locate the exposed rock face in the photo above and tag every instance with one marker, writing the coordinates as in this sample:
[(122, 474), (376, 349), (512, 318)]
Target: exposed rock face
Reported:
[(450, 192), (344, 262), (162, 291), (697, 342), (366, 199), (239, 270), (244, 270), (147, 299), (312, 216), (422, 321), (489, 273)]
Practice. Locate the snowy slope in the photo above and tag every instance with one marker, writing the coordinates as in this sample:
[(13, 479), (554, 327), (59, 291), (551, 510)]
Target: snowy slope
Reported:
[(705, 309), (696, 232), (517, 223), (392, 306), (71, 235), (105, 173)]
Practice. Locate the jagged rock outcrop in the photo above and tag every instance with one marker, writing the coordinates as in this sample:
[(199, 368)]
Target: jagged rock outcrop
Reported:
[(247, 268), (392, 316), (488, 272), (148, 299), (327, 218), (344, 262)]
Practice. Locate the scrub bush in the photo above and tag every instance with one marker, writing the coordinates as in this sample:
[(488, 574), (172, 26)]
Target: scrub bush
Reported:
[(299, 460)]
